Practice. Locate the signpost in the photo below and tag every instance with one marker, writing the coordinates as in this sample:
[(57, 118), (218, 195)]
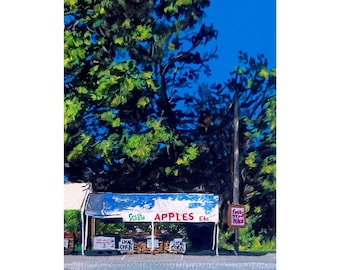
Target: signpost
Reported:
[(236, 216)]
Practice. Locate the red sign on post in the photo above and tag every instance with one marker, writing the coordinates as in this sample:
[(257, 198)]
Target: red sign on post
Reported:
[(236, 217)]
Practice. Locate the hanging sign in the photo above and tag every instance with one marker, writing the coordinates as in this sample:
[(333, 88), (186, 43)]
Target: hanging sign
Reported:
[(236, 217)]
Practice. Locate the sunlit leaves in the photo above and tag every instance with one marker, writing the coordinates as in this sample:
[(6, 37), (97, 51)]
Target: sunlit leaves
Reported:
[(183, 2), (139, 147), (171, 46), (264, 73), (269, 166), (110, 118), (240, 70), (189, 154), (127, 84), (250, 160), (119, 41), (71, 3), (271, 113), (79, 148), (142, 102), (146, 74), (71, 108), (167, 170), (142, 32), (104, 147), (82, 90), (172, 9), (126, 23)]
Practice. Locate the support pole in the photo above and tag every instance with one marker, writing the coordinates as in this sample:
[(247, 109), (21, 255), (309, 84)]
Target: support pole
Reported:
[(217, 233), (236, 242), (86, 231), (152, 236), (82, 233), (214, 238), (93, 230), (83, 226)]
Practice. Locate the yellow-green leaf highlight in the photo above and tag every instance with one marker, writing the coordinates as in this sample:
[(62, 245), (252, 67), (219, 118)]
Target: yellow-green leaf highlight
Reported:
[(264, 73)]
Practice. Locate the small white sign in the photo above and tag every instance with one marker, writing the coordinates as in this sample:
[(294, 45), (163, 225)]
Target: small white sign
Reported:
[(65, 243), (178, 245), (126, 244), (149, 243), (103, 243), (238, 216)]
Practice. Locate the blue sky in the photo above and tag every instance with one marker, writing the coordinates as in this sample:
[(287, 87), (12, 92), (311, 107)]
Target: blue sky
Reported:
[(247, 25)]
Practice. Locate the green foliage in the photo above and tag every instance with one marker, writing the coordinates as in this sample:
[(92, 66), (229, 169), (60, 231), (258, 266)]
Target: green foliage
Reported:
[(72, 221), (120, 58), (190, 153), (108, 228), (249, 240)]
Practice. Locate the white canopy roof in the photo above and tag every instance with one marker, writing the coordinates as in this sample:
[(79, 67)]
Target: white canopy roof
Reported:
[(158, 207), (75, 195)]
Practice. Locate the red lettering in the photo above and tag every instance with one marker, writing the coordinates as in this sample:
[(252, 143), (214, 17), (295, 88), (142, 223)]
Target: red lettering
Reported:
[(171, 215), (238, 220), (203, 218), (237, 211), (178, 217)]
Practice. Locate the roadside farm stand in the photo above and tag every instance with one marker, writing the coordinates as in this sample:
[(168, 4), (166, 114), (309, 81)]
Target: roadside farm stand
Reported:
[(147, 209)]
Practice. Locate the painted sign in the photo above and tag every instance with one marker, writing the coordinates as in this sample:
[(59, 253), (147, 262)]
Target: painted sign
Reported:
[(149, 243), (154, 207), (103, 243), (178, 245), (126, 244), (65, 243), (236, 217), (138, 217)]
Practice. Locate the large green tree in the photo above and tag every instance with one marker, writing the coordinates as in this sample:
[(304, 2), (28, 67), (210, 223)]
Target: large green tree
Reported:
[(124, 62), (212, 110)]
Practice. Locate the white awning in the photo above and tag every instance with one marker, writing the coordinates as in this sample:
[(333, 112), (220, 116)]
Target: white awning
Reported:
[(154, 207), (75, 195)]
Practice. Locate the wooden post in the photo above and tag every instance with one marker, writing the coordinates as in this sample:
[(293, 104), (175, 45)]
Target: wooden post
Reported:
[(236, 167)]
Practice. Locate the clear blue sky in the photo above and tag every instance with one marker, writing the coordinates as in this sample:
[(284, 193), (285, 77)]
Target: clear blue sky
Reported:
[(247, 25)]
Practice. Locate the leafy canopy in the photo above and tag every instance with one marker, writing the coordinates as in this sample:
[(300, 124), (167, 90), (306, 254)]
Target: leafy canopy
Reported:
[(123, 61)]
